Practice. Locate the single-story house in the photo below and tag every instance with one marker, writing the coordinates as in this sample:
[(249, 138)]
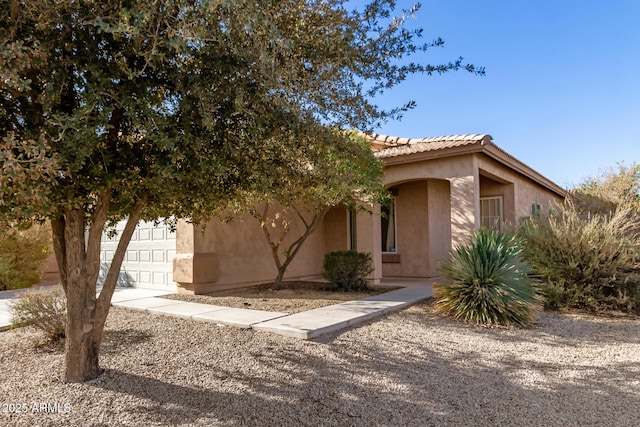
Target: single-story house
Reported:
[(443, 188)]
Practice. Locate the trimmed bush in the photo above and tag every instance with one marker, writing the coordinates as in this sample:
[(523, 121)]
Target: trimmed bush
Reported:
[(346, 270), (588, 262), (488, 284), (45, 311), (22, 252)]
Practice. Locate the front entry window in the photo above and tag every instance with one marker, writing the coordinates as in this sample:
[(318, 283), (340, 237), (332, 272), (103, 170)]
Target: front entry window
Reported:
[(353, 229), (388, 227), (491, 212)]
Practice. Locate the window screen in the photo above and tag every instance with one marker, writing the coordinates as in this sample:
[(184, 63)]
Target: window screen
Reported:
[(491, 212)]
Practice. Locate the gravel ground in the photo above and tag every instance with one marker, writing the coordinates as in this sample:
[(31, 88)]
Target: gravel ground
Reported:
[(410, 368), (294, 297)]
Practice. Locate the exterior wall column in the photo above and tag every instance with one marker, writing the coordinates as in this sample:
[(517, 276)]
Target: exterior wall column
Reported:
[(369, 240), (439, 208), (195, 266), (465, 208)]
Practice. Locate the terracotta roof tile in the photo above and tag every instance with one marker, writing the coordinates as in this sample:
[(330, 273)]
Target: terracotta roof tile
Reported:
[(391, 146)]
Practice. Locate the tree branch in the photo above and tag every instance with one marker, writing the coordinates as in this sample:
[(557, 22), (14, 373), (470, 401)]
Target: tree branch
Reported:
[(294, 248), (98, 221), (109, 285), (59, 248), (14, 92), (302, 218), (265, 230)]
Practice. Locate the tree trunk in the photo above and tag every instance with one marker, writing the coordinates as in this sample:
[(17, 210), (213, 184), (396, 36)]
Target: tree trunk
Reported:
[(81, 349), (293, 249), (79, 265), (277, 283)]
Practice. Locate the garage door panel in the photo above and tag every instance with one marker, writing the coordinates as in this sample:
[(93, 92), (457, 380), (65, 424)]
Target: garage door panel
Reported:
[(157, 234), (149, 259), (144, 255), (158, 255)]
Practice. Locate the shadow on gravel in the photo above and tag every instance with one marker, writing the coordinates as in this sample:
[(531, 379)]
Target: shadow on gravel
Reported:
[(550, 327), (115, 341), (411, 368), (395, 380)]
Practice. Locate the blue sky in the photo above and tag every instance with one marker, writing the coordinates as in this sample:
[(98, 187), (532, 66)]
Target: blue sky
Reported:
[(562, 85)]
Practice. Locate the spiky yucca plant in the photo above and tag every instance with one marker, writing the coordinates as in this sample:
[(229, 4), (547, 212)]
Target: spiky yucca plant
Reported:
[(487, 283)]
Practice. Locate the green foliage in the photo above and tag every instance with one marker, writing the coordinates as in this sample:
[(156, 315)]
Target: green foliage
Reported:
[(587, 261), (333, 167), (488, 284), (346, 270), (173, 101), (22, 252), (610, 190), (45, 311)]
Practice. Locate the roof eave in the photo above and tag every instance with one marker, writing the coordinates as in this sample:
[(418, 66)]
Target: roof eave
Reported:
[(503, 157), (485, 147), (429, 155)]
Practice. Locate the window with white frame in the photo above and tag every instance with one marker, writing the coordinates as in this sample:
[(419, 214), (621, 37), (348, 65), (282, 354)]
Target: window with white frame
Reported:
[(491, 212), (388, 226)]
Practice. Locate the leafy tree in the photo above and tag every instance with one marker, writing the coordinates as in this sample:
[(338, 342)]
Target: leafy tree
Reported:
[(22, 252), (140, 110), (332, 168)]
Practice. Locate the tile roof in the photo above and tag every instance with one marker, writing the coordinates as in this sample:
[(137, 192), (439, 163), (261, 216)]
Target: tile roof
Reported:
[(393, 146), (388, 147)]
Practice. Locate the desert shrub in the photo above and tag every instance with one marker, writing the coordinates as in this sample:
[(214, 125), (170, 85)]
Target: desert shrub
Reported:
[(487, 283), (611, 189), (346, 270), (586, 261), (22, 251), (45, 311)]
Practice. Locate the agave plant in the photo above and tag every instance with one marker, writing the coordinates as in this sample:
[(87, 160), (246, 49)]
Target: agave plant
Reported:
[(487, 282)]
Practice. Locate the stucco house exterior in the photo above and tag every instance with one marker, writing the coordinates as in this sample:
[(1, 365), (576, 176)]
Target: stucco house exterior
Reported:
[(443, 188)]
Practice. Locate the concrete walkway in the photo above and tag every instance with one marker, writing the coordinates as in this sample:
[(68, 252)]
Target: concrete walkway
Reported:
[(305, 325)]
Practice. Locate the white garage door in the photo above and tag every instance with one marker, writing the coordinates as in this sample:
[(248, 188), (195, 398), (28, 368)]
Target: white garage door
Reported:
[(149, 259)]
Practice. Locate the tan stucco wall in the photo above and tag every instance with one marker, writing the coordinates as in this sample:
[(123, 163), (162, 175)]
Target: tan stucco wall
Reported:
[(491, 188), (439, 203), (237, 254), (412, 235), (49, 273), (336, 229), (525, 190), (369, 239)]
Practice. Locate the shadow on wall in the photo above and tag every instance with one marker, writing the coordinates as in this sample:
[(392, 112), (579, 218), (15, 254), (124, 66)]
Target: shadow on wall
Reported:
[(125, 280), (462, 210)]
